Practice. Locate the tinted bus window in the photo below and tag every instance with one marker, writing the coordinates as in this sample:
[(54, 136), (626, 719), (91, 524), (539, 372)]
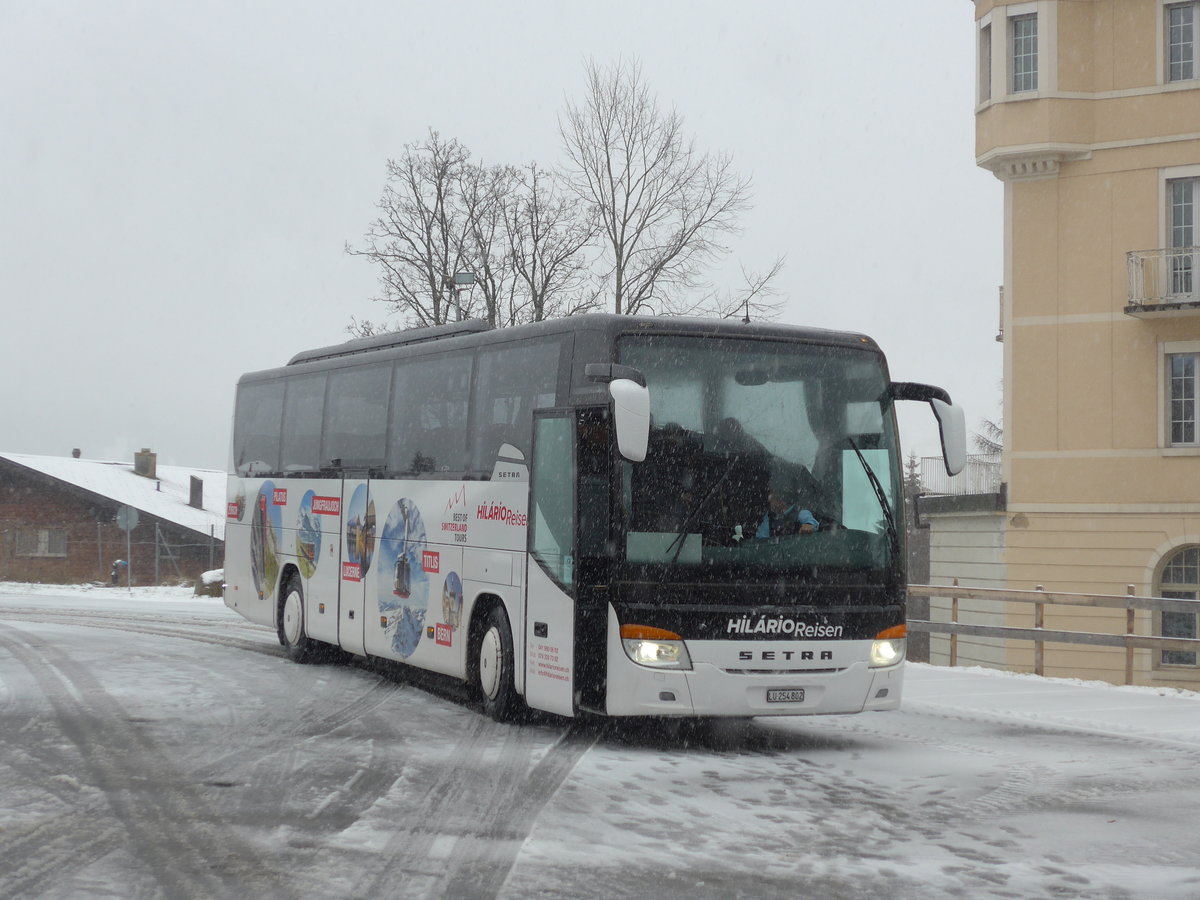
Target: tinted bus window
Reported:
[(356, 417), (429, 415), (256, 428), (511, 383), (303, 408)]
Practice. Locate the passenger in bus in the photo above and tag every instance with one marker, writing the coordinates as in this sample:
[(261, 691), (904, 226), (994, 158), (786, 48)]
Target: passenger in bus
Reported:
[(731, 436)]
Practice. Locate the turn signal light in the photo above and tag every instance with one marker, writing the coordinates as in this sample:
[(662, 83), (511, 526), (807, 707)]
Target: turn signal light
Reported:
[(647, 633)]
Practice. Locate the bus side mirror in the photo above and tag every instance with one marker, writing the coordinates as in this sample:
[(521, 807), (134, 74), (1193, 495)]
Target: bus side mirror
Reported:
[(951, 421), (631, 406), (631, 416), (953, 428)]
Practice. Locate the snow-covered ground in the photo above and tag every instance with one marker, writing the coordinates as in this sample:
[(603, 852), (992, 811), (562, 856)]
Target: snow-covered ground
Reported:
[(154, 744)]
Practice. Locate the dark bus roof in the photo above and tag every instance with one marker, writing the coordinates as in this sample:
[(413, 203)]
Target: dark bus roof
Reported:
[(477, 333)]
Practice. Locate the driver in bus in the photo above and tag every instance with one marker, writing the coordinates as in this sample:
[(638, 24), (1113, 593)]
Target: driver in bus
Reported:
[(784, 514)]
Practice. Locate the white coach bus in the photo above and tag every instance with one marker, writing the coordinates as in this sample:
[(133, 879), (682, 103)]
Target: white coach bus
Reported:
[(622, 515)]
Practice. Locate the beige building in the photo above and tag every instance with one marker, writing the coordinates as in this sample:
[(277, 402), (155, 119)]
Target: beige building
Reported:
[(1088, 111)]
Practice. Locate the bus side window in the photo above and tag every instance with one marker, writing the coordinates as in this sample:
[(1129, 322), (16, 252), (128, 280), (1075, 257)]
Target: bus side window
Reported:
[(429, 415), (510, 384), (303, 409), (356, 420), (256, 429), (552, 498)]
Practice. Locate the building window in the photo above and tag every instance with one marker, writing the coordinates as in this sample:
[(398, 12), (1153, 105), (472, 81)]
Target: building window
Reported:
[(42, 542), (1023, 43), (1181, 40), (985, 63), (1182, 397), (1181, 227), (1180, 580)]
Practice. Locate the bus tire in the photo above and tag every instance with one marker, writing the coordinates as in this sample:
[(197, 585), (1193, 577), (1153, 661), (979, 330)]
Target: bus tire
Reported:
[(494, 666), (299, 646)]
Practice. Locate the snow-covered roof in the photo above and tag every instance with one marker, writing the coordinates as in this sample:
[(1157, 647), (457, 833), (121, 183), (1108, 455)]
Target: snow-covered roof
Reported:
[(164, 496)]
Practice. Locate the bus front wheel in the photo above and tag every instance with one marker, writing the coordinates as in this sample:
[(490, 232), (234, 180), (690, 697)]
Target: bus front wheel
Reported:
[(291, 622), (495, 666)]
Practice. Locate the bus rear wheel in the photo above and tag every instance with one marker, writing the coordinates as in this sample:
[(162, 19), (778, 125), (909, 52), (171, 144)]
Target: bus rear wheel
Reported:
[(495, 666), (300, 647)]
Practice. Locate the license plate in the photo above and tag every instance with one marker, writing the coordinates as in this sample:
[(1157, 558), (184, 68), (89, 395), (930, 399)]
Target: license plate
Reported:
[(785, 695)]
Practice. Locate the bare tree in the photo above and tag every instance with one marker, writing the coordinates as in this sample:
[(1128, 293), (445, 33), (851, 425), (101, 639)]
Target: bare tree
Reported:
[(421, 235), (549, 232), (755, 299), (640, 199), (663, 206), (485, 192)]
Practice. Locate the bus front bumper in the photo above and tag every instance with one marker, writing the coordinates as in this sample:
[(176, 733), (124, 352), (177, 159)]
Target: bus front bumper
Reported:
[(711, 689)]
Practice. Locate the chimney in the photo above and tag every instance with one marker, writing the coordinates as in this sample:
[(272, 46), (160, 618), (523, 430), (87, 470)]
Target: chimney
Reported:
[(145, 463), (196, 497)]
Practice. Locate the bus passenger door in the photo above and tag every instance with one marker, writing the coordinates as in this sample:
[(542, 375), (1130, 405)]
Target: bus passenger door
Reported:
[(550, 599), (358, 551)]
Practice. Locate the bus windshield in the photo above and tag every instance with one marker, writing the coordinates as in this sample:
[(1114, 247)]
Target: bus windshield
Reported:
[(767, 460)]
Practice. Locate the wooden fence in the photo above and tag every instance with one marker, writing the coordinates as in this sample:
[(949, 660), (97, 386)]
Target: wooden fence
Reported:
[(1040, 599)]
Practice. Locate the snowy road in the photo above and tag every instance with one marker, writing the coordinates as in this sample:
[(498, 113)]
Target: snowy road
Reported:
[(155, 745)]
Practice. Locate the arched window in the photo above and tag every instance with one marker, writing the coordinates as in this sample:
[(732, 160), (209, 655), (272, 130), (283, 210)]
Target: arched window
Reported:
[(1180, 580)]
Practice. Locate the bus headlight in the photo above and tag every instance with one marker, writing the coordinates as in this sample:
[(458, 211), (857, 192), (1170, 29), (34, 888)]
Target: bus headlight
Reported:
[(655, 647), (888, 647)]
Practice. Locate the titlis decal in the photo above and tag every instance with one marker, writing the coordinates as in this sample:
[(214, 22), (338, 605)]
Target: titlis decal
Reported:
[(781, 625), (498, 512)]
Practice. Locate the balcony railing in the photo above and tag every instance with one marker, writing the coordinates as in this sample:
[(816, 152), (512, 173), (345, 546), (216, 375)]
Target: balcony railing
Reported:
[(981, 475), (1164, 281)]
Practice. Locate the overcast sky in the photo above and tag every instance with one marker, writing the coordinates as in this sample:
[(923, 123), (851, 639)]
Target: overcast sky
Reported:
[(178, 181)]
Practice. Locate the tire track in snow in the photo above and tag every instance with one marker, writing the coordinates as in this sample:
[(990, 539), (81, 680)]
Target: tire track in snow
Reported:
[(182, 629), (37, 849), (168, 825), (459, 833), (1021, 788), (1030, 787), (273, 780), (490, 854), (281, 761), (40, 846), (274, 775)]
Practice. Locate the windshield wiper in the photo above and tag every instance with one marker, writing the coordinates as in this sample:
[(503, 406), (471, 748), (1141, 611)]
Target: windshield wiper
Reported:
[(881, 496), (681, 535)]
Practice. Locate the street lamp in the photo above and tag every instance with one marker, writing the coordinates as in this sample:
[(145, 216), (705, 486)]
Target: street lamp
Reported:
[(462, 281)]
